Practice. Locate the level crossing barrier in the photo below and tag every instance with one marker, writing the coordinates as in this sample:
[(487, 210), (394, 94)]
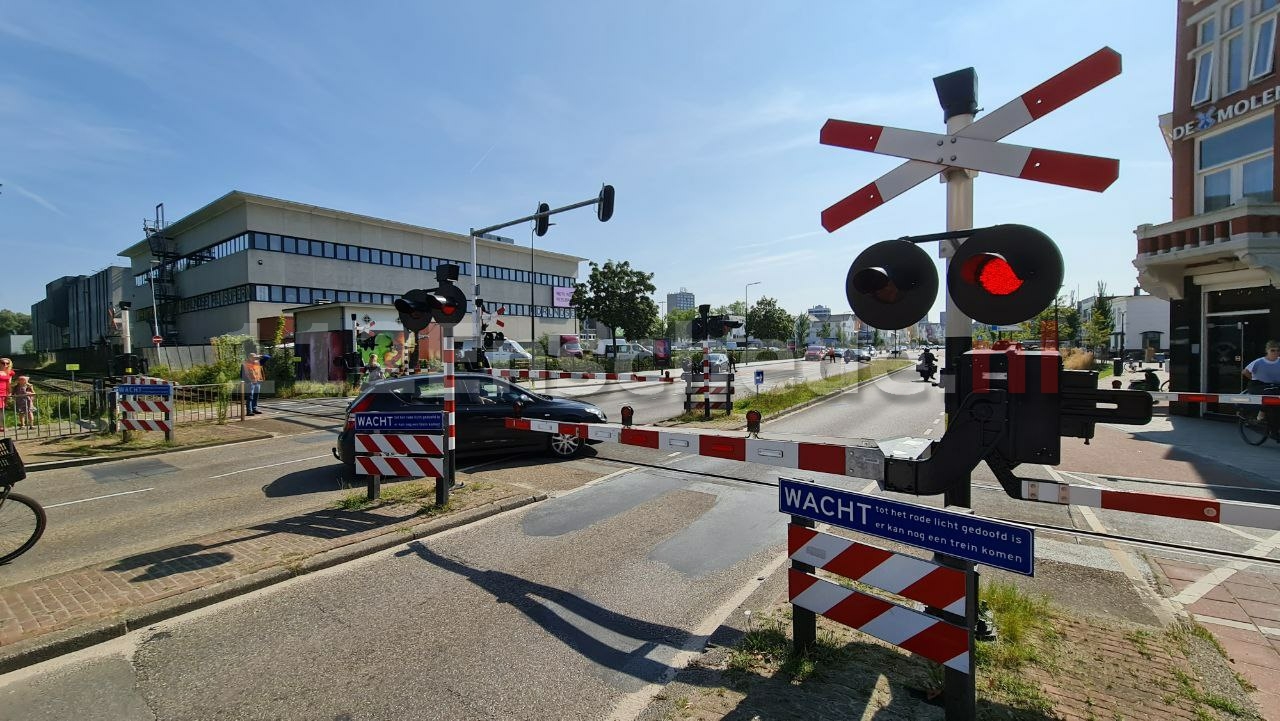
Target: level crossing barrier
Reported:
[(578, 375), (708, 390), (146, 404)]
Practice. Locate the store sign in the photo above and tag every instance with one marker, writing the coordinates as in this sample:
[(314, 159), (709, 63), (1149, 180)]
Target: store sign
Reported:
[(562, 297), (1211, 116)]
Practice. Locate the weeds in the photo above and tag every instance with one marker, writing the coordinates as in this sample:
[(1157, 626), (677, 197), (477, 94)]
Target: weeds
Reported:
[(1187, 689)]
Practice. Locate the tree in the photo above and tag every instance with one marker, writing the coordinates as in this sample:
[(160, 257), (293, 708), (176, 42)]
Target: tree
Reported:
[(737, 307), (1097, 331), (802, 328), (618, 296), (824, 331), (766, 320), (677, 323), (281, 361), (13, 323), (1040, 328)]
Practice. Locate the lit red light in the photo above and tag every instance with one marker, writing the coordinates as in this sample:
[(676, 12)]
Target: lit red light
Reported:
[(992, 273)]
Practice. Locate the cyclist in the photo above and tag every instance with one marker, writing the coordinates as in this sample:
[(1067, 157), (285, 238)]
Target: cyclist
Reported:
[(1263, 376)]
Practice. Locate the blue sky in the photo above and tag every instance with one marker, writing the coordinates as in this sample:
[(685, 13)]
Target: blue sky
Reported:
[(705, 116)]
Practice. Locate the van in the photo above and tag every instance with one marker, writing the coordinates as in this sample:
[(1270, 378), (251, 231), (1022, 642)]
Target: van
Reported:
[(623, 350), (564, 346), (507, 353)]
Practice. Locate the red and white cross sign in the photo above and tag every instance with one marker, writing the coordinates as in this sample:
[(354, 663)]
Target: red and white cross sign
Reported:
[(974, 146)]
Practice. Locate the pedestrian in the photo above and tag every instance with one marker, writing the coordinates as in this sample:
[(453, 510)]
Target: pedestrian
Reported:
[(733, 362), (251, 374), (26, 402), (373, 370), (7, 374)]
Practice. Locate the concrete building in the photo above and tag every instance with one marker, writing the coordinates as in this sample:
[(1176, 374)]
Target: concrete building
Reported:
[(244, 258), (1141, 321), (77, 311), (1218, 260), (680, 301)]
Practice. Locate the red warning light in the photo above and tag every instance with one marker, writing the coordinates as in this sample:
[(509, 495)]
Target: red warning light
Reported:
[(992, 273)]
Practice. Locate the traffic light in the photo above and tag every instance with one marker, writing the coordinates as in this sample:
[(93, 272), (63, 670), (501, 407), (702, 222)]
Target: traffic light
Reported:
[(543, 221), (445, 304), (892, 284), (699, 329), (723, 326), (368, 342), (604, 203), (1005, 274)]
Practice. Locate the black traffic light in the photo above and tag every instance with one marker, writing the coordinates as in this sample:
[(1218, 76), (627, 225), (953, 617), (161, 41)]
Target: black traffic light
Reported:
[(1005, 274), (488, 341), (604, 203), (543, 221), (892, 284), (369, 341), (721, 325), (699, 328), (445, 304)]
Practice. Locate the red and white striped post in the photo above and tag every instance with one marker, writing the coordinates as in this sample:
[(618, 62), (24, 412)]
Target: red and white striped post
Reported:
[(706, 379), (446, 354)]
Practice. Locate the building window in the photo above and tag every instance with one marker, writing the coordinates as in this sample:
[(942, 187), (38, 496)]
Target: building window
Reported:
[(1236, 164), (1241, 36)]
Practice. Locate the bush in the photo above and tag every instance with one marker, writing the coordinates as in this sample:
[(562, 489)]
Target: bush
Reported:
[(766, 355), (1077, 359)]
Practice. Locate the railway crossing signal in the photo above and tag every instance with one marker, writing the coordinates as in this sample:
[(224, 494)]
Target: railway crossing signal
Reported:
[(445, 304), (974, 147)]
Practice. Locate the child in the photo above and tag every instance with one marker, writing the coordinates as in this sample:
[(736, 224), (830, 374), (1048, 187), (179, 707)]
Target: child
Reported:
[(26, 402)]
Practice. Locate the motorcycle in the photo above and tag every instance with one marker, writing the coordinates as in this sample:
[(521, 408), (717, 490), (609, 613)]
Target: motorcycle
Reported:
[(926, 370)]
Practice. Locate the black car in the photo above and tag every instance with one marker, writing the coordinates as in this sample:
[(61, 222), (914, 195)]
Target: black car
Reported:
[(483, 404)]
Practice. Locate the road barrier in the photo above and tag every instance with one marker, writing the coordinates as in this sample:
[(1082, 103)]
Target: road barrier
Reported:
[(711, 391), (580, 375), (140, 396)]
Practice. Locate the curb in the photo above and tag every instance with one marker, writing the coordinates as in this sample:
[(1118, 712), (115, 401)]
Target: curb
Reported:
[(91, 633), (92, 460)]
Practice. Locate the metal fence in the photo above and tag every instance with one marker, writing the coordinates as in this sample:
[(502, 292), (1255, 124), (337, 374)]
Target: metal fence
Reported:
[(58, 413)]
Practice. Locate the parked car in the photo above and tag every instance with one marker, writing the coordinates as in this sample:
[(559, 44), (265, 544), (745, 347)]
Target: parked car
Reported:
[(857, 355), (623, 350), (719, 362), (483, 404), (814, 352)]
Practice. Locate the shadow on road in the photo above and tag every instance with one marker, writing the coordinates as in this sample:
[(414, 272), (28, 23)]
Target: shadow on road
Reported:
[(328, 524)]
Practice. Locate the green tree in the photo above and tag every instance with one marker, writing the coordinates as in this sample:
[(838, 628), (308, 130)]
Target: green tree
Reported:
[(281, 361), (801, 325), (618, 296), (13, 323), (767, 321), (1041, 327), (1101, 324), (677, 323), (824, 330)]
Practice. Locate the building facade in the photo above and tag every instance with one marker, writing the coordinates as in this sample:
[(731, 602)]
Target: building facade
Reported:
[(79, 311), (243, 258), (680, 301), (1217, 261)]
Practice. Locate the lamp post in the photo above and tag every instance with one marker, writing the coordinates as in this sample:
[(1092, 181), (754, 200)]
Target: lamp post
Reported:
[(155, 310), (746, 310)]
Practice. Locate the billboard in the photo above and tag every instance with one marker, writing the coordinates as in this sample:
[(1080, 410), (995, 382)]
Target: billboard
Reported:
[(561, 297)]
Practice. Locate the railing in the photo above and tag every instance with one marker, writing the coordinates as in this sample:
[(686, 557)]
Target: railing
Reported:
[(55, 414)]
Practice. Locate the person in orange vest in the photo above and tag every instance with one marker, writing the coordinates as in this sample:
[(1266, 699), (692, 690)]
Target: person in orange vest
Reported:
[(251, 374)]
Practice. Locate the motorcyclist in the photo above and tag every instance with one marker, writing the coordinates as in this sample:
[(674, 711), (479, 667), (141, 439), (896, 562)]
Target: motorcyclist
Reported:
[(928, 364)]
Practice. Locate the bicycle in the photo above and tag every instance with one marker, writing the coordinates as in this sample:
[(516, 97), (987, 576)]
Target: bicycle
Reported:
[(22, 519), (1257, 423), (1133, 366)]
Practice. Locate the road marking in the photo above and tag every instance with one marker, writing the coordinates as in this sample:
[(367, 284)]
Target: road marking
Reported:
[(1238, 532), (99, 498), (1057, 477), (1211, 580), (670, 455), (273, 465)]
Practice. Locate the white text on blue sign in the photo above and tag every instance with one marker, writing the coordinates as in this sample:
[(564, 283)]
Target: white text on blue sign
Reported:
[(392, 422), (144, 390), (992, 543)]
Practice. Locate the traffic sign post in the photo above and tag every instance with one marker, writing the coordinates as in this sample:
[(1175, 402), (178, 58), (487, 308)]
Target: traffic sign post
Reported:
[(142, 395), (400, 444), (948, 586), (157, 339), (759, 381)]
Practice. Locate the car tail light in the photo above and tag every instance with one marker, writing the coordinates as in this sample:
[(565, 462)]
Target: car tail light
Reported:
[(361, 405)]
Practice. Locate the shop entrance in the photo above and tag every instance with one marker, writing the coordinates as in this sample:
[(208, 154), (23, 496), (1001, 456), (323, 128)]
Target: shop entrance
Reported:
[(1233, 340)]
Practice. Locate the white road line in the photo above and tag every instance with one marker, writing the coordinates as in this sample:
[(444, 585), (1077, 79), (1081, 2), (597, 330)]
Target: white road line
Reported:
[(1057, 476), (1211, 580), (273, 465), (1238, 532), (1162, 607), (99, 498)]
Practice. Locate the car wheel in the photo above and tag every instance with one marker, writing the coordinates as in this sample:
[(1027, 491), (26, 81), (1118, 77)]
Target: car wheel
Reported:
[(564, 445)]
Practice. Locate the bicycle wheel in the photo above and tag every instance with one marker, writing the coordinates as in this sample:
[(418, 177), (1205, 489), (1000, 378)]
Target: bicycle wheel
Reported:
[(1252, 430), (22, 522)]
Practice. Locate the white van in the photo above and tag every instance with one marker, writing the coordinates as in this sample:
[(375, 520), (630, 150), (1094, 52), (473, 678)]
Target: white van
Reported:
[(509, 352), (624, 350)]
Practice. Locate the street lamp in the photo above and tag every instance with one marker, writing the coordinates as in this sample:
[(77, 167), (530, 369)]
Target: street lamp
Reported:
[(746, 309), (155, 310)]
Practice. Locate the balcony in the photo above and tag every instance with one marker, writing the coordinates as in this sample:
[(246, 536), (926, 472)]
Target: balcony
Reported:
[(1244, 238)]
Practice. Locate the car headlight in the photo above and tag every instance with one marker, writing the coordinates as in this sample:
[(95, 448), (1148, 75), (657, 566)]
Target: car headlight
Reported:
[(597, 413)]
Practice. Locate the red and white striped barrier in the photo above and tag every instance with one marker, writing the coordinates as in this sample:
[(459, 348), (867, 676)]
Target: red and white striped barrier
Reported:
[(908, 629), (907, 576), (401, 466), (1232, 513), (143, 405), (864, 461), (141, 424), (401, 444), (583, 375), (1241, 399)]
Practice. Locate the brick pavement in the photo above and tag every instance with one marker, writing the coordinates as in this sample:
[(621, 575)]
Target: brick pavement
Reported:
[(34, 608), (1242, 610)]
